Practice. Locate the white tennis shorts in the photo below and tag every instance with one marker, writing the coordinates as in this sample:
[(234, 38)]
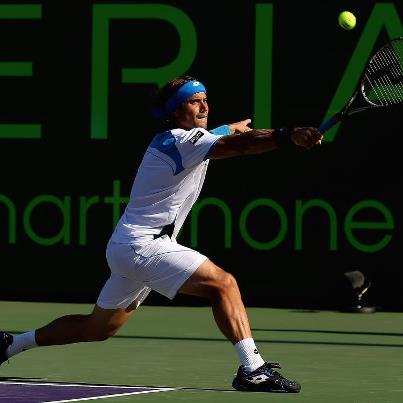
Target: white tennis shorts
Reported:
[(148, 264)]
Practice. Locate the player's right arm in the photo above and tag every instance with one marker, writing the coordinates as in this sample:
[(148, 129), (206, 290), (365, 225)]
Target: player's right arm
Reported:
[(258, 141)]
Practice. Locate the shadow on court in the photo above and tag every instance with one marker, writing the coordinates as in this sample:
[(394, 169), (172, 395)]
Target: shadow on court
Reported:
[(274, 341), (328, 332)]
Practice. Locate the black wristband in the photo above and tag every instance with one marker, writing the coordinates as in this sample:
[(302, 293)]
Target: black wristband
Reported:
[(282, 138)]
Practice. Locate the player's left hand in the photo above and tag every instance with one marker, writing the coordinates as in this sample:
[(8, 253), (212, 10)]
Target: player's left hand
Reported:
[(240, 127)]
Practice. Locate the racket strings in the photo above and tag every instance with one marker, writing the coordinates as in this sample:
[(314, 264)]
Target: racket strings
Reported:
[(391, 64), (394, 77), (388, 59), (383, 79), (376, 93), (374, 87), (396, 71), (381, 84)]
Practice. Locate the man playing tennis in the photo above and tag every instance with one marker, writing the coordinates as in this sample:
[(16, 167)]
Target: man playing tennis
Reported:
[(143, 254)]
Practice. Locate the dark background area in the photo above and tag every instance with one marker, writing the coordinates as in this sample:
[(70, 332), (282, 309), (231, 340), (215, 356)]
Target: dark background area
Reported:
[(310, 54)]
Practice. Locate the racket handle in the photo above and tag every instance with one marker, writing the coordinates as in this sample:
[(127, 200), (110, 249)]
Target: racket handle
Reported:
[(324, 127)]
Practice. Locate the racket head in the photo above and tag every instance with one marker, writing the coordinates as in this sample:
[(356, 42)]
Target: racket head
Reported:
[(382, 82)]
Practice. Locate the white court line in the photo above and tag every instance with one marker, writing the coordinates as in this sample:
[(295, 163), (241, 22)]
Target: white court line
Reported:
[(107, 396)]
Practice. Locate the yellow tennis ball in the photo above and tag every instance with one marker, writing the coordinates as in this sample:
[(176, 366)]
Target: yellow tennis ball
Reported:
[(347, 20)]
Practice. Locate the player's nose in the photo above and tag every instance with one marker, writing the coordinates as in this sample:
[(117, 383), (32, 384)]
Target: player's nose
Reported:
[(203, 106)]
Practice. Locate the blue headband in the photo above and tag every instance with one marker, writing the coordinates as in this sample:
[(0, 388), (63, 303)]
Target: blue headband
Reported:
[(178, 97), (182, 94)]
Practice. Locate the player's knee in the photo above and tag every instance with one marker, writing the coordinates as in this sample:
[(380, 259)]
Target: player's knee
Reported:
[(97, 330), (229, 282), (225, 284), (102, 333)]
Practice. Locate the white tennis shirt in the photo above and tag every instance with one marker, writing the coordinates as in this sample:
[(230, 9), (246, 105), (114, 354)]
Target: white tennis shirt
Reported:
[(168, 182)]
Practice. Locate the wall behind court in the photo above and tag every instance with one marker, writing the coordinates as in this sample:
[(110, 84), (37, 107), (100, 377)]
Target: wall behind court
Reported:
[(77, 82)]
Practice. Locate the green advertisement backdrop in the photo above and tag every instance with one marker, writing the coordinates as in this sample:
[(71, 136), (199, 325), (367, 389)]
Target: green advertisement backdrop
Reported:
[(77, 83)]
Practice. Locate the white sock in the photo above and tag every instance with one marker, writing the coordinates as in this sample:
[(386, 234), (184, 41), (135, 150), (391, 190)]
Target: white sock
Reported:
[(21, 342), (248, 354)]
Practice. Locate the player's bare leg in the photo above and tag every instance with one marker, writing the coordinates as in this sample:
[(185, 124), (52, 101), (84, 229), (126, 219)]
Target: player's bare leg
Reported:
[(96, 326), (221, 289)]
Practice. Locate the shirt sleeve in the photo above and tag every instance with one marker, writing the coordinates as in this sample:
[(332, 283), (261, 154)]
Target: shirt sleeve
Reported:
[(194, 146)]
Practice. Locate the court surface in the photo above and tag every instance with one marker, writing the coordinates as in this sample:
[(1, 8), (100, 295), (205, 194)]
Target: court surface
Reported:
[(337, 357)]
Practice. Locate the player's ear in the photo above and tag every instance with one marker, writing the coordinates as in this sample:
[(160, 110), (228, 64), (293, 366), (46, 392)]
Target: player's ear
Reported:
[(174, 116), (177, 114)]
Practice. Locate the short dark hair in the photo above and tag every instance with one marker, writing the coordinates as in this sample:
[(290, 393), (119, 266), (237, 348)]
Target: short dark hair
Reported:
[(163, 95)]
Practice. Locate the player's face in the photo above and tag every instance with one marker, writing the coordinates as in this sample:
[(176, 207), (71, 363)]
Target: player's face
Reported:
[(193, 113)]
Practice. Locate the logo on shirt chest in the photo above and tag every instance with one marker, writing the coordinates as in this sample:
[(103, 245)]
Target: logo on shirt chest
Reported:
[(196, 137)]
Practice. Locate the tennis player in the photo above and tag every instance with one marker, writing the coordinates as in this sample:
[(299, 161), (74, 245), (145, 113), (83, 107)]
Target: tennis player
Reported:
[(143, 254)]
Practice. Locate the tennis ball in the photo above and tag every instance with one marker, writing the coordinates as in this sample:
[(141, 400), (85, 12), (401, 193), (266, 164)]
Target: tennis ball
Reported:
[(347, 20)]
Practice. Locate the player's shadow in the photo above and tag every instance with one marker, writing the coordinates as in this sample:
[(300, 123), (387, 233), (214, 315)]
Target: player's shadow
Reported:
[(276, 341), (329, 332), (305, 311), (21, 379)]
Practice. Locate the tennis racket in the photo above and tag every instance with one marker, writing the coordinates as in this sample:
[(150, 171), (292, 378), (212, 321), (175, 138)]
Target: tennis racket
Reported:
[(381, 85)]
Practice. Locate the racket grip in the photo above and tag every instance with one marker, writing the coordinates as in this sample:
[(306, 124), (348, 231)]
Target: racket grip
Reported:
[(329, 123)]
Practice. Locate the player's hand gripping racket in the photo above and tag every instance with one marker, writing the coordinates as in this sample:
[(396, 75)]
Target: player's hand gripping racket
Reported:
[(381, 84)]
